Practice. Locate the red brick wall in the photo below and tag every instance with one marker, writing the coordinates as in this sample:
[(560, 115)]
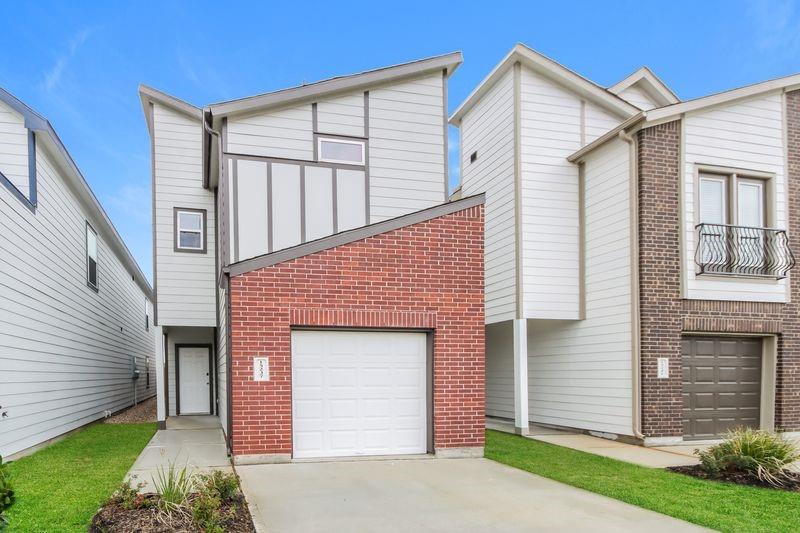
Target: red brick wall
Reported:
[(428, 275), (665, 316)]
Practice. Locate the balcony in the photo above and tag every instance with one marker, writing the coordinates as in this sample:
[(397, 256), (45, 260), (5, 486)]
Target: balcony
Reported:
[(742, 251)]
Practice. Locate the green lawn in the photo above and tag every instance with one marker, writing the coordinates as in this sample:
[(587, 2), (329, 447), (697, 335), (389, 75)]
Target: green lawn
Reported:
[(721, 506), (59, 488)]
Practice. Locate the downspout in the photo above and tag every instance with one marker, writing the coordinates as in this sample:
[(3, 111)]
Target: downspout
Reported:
[(636, 362)]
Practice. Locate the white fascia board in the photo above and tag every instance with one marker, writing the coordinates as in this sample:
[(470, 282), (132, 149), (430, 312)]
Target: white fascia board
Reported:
[(553, 70), (652, 84), (610, 134), (149, 95), (449, 62)]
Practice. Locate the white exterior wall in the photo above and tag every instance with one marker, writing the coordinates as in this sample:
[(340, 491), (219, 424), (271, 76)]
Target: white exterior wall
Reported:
[(65, 350), (635, 95), (488, 129), (185, 282), (222, 361), (580, 372), (342, 115), (554, 122), (407, 147), (14, 148), (500, 370), (746, 135), (285, 133)]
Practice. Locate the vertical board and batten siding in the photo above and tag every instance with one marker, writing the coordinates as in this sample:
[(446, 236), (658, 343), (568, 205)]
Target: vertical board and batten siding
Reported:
[(579, 372), (747, 135), (66, 351), (14, 148), (285, 133), (181, 335), (407, 147), (635, 95), (185, 282), (551, 128), (488, 130)]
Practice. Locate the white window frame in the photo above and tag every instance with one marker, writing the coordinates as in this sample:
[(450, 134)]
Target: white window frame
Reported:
[(362, 144), (731, 177), (202, 231), (96, 285)]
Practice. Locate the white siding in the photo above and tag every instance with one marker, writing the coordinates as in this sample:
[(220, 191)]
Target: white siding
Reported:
[(285, 133), (222, 360), (182, 335), (636, 96), (184, 281), (500, 370), (598, 121), (65, 350), (580, 372), (252, 208), (342, 115), (406, 147), (488, 130), (550, 131), (745, 135), (14, 148)]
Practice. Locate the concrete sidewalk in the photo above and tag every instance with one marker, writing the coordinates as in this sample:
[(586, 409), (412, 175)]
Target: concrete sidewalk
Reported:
[(459, 495), (196, 442), (661, 457)]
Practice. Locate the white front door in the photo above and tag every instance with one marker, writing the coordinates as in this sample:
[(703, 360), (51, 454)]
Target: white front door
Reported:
[(359, 393), (195, 381)]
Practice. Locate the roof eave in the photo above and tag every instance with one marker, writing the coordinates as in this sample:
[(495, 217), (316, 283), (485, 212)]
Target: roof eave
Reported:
[(577, 156), (448, 62)]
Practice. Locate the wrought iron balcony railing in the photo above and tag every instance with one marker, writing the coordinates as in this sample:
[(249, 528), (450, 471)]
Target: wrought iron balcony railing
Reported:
[(723, 249)]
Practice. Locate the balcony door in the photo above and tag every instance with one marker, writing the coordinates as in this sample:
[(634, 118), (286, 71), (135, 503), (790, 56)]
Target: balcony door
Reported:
[(713, 216)]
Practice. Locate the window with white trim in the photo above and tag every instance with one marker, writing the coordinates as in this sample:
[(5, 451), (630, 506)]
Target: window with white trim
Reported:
[(91, 257), (732, 199), (190, 231), (346, 151)]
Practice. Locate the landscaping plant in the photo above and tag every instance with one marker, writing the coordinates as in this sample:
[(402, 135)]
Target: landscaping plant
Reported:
[(173, 486), (6, 493), (221, 484), (761, 454)]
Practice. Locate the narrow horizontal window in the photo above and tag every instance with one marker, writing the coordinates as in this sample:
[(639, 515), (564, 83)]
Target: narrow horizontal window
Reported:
[(91, 257), (190, 231), (341, 151)]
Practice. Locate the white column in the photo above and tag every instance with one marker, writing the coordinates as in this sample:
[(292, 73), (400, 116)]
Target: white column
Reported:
[(521, 376), (161, 400)]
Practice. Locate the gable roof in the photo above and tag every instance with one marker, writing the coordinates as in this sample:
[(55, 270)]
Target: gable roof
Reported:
[(149, 94), (650, 83), (47, 136), (448, 62), (551, 69)]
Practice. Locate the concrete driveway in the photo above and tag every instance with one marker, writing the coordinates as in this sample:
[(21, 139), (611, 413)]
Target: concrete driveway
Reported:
[(431, 495)]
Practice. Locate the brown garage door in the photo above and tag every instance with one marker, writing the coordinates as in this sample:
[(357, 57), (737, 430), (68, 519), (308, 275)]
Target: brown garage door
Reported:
[(721, 385)]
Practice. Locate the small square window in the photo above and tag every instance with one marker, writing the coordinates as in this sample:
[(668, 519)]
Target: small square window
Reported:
[(91, 257), (190, 230), (341, 151)]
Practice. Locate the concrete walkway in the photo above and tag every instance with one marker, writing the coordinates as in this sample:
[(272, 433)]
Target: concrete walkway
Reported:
[(196, 442), (661, 457), (462, 495)]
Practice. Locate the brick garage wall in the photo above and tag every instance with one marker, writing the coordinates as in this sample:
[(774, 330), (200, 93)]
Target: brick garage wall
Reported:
[(665, 316), (428, 275)]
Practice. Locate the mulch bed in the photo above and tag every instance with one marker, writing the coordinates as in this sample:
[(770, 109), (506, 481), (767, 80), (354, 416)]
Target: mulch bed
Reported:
[(791, 485), (113, 518), (142, 412)]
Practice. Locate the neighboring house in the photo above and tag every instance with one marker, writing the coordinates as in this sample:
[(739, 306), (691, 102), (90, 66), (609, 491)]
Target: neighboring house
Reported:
[(638, 251), (76, 334), (315, 288)]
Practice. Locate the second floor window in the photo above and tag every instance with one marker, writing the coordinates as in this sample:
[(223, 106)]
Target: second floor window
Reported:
[(333, 150), (190, 230), (91, 257), (732, 200)]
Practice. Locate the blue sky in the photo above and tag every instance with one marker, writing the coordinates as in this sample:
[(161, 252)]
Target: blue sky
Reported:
[(80, 66)]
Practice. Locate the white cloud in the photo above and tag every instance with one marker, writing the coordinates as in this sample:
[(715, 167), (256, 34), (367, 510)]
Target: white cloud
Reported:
[(52, 77)]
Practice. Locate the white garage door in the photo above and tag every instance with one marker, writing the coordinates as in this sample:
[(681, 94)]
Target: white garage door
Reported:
[(358, 393)]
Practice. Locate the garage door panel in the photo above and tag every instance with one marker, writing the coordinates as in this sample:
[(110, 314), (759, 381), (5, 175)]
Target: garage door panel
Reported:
[(721, 385), (375, 404)]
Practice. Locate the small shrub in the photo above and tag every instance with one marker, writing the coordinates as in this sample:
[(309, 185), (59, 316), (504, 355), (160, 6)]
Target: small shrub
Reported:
[(173, 486), (763, 455), (127, 496), (206, 513), (223, 485), (6, 492)]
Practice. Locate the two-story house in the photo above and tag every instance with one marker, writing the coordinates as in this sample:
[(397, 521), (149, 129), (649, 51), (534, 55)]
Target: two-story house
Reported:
[(76, 335), (316, 289), (638, 251)]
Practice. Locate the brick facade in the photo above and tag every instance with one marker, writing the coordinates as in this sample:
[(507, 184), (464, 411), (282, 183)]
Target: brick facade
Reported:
[(664, 315), (426, 276)]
